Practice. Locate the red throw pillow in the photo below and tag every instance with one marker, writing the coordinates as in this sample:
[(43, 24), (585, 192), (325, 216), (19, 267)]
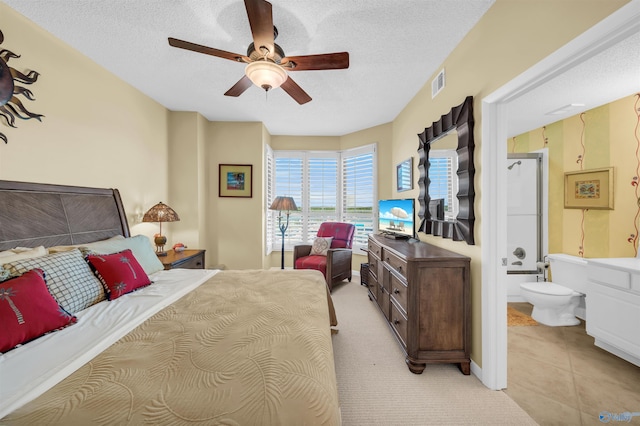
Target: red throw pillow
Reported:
[(120, 273), (27, 310)]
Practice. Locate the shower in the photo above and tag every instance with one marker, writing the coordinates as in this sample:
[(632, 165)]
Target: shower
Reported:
[(517, 163)]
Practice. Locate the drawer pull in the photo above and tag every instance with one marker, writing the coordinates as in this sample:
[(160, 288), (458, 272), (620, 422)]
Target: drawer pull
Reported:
[(396, 291), (399, 268), (396, 322)]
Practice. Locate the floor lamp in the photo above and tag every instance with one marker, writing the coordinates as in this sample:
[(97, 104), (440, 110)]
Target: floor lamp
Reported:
[(283, 204)]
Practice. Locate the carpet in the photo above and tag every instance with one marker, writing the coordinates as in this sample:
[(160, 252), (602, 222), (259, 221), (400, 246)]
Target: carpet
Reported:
[(377, 389), (517, 318)]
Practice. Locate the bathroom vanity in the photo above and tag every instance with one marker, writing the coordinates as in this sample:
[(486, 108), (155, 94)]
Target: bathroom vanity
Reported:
[(613, 306)]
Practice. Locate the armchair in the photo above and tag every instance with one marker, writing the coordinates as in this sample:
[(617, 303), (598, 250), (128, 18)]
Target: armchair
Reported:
[(336, 265)]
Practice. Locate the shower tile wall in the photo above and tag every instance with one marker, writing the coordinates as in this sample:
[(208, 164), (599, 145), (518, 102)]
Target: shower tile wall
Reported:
[(522, 217)]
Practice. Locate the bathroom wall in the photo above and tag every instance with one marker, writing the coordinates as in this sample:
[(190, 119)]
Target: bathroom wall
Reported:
[(607, 136)]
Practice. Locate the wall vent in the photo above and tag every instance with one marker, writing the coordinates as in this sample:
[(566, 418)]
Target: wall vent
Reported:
[(437, 84)]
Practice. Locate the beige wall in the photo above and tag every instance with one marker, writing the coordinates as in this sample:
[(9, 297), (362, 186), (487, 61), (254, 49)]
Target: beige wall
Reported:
[(98, 131), (602, 137), (508, 40)]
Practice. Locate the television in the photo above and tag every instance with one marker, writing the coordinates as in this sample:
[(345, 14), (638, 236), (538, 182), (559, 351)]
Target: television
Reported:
[(396, 218)]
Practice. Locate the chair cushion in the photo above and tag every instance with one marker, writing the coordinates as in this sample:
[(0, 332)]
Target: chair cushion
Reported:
[(319, 263), (342, 233)]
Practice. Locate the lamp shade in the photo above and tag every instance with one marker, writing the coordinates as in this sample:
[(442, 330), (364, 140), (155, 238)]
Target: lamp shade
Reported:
[(266, 74), (160, 213), (283, 203)]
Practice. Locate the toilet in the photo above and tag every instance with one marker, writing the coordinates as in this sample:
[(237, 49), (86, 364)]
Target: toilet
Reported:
[(554, 303)]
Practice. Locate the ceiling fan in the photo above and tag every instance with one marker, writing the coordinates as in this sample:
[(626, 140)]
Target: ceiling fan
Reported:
[(267, 64)]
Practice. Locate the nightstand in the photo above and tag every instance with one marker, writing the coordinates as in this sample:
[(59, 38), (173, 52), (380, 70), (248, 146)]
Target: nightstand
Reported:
[(187, 259)]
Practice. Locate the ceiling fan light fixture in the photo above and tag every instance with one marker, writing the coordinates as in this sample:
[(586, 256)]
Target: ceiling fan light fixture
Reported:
[(266, 74)]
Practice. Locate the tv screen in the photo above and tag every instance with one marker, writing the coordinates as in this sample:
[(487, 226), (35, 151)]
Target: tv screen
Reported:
[(396, 217)]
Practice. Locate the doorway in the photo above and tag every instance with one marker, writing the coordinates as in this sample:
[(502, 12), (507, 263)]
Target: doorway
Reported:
[(495, 112)]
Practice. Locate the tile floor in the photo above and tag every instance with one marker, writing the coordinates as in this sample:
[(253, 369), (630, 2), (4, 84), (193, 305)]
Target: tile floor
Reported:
[(559, 377)]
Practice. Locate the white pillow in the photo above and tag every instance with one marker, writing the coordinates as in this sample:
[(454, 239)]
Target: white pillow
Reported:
[(60, 249), (21, 253), (140, 245), (320, 246)]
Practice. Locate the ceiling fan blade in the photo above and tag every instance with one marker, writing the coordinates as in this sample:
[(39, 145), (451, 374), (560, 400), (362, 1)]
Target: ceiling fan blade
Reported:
[(187, 45), (295, 91), (261, 22), (327, 61), (239, 88)]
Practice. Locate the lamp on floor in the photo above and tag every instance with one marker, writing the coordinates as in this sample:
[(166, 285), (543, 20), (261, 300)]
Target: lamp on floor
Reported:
[(283, 204), (160, 213)]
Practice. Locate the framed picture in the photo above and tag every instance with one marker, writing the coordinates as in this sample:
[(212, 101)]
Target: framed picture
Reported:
[(404, 175), (236, 180), (589, 189)]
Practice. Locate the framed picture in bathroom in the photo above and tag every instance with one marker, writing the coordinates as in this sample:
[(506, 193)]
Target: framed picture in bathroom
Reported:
[(589, 189)]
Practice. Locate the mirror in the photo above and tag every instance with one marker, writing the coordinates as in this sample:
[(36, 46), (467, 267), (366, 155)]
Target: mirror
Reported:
[(440, 212)]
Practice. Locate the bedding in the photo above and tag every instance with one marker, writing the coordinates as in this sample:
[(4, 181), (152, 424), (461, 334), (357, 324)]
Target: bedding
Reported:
[(244, 347)]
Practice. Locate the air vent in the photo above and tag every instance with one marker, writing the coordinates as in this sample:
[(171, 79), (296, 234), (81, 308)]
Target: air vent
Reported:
[(437, 84)]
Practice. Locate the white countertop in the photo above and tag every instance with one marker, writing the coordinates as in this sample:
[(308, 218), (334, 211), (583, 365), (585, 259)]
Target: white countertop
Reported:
[(628, 264)]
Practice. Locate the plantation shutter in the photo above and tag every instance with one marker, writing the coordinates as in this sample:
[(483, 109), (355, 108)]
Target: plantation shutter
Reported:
[(359, 191)]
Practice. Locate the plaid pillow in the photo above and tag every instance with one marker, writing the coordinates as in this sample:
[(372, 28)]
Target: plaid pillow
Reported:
[(69, 279)]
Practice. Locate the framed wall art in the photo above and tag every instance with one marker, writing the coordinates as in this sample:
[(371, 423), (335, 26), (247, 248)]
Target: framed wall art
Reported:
[(404, 175), (236, 180), (589, 189)]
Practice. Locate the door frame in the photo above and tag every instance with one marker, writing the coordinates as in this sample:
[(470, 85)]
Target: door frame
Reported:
[(607, 33)]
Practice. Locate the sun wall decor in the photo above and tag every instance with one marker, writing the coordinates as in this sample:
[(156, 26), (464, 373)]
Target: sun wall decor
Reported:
[(10, 105)]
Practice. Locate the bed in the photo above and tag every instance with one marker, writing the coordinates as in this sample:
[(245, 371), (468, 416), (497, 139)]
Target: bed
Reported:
[(193, 347)]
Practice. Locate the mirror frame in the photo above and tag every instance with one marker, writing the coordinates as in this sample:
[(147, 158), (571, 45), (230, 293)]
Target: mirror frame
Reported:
[(460, 118)]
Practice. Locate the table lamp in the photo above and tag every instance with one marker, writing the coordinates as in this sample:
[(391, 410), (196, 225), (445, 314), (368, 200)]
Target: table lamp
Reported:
[(160, 213)]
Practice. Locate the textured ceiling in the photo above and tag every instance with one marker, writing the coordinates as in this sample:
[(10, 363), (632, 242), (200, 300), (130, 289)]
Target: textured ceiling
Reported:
[(394, 46)]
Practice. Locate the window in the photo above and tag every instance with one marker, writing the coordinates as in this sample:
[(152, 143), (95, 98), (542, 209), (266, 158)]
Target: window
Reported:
[(326, 186), (443, 165)]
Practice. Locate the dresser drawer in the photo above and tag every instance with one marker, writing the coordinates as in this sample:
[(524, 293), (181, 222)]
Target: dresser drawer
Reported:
[(375, 249), (372, 285), (395, 263), (399, 292), (399, 324), (384, 301), (373, 266)]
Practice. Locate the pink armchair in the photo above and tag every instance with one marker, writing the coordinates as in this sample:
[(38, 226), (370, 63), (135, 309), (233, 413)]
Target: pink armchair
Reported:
[(336, 265)]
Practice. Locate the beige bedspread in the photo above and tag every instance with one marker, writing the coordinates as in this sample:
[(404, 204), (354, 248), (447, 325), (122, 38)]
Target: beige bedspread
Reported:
[(245, 348)]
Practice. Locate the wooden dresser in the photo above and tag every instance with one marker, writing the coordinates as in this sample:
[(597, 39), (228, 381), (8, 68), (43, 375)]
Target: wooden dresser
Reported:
[(424, 293)]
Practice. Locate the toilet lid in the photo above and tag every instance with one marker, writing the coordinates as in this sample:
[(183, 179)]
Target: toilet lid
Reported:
[(547, 288)]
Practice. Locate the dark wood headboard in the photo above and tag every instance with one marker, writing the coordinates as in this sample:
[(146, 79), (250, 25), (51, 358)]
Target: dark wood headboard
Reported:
[(36, 214)]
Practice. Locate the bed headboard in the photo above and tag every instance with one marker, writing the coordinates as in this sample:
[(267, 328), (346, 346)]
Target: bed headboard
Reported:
[(36, 214)]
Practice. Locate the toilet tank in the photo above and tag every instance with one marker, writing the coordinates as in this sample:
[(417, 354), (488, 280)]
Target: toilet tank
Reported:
[(569, 271)]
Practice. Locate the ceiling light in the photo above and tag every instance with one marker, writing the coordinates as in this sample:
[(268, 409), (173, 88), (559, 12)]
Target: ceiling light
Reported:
[(266, 74)]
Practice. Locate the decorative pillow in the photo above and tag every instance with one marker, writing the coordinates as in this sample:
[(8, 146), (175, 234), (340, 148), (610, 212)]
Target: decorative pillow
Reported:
[(320, 246), (27, 310), (20, 253), (69, 279), (140, 245), (119, 272), (4, 274)]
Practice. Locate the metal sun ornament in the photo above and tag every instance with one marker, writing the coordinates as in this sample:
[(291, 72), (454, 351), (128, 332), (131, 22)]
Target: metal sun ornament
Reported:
[(10, 105)]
